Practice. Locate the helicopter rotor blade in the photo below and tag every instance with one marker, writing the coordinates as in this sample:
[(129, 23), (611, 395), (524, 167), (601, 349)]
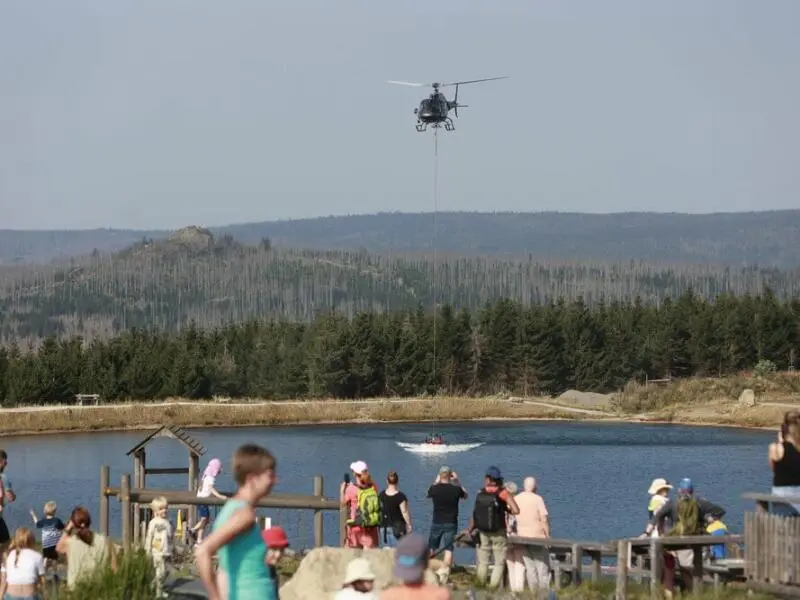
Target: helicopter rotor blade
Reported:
[(473, 81), (409, 83)]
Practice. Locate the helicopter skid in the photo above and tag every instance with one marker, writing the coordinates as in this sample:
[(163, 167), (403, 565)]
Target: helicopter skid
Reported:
[(447, 124)]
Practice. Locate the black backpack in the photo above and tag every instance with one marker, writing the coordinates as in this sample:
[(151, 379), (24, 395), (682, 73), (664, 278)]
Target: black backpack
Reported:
[(489, 513)]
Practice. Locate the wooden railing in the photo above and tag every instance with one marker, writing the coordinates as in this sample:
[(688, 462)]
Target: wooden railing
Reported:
[(772, 554), (128, 497), (622, 551)]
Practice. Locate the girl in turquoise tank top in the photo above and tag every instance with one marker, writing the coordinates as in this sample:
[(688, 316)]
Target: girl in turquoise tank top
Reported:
[(236, 538)]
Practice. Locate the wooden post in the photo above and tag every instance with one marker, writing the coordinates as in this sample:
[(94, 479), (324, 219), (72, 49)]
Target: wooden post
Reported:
[(577, 564), (597, 561), (105, 483), (194, 471), (622, 570), (656, 563), (137, 482), (125, 498), (697, 570), (319, 540), (142, 510)]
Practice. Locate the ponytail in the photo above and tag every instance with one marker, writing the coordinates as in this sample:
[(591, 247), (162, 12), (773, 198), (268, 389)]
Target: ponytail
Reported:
[(85, 535), (82, 521)]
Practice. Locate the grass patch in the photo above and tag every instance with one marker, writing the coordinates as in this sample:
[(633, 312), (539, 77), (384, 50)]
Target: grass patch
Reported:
[(132, 580), (689, 401), (639, 398)]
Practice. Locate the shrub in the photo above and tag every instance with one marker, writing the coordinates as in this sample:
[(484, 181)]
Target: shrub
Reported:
[(764, 367), (133, 580)]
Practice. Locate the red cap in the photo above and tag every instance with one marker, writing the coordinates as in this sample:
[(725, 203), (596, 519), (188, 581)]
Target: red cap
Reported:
[(275, 537)]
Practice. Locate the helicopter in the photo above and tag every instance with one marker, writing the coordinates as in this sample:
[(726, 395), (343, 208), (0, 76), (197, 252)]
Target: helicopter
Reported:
[(433, 110)]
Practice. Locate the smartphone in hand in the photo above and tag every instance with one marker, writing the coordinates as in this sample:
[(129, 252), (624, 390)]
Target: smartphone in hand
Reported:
[(346, 478)]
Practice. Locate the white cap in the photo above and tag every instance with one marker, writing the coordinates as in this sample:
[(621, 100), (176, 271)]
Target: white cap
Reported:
[(358, 467)]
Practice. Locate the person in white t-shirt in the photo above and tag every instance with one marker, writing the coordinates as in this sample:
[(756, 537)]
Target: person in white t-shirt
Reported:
[(206, 490), (23, 568)]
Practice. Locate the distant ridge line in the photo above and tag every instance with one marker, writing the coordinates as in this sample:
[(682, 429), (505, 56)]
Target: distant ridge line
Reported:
[(768, 238)]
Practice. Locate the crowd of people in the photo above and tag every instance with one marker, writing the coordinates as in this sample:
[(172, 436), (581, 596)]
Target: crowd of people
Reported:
[(248, 556)]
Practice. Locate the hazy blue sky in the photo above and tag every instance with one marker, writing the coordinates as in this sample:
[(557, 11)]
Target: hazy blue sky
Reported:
[(164, 113)]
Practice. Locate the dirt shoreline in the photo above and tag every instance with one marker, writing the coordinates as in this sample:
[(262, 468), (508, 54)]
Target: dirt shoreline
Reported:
[(63, 420)]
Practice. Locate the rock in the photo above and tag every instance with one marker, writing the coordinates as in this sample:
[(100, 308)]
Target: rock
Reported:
[(321, 572), (747, 398)]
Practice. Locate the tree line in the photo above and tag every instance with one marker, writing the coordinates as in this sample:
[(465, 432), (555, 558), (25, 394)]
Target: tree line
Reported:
[(503, 347), (216, 281)]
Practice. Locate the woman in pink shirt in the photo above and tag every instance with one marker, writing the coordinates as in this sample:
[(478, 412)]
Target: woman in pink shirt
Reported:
[(532, 522), (358, 536)]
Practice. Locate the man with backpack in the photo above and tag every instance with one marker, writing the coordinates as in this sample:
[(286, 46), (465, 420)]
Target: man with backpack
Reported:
[(361, 498), (492, 504), (687, 515)]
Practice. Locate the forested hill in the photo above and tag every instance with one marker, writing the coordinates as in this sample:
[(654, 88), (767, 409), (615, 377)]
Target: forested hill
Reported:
[(195, 276), (501, 348), (769, 238)]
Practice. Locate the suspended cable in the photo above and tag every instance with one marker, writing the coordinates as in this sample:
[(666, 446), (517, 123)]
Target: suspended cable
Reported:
[(433, 243)]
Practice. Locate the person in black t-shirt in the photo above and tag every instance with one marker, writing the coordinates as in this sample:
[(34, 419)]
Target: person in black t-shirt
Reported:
[(396, 518), (446, 492)]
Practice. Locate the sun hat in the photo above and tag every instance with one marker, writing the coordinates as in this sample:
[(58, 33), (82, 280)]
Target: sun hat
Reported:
[(411, 558), (658, 485), (358, 569), (358, 467), (275, 537)]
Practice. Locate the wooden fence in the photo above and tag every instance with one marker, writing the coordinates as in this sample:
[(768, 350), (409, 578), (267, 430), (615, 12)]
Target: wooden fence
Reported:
[(128, 497), (574, 552), (772, 555)]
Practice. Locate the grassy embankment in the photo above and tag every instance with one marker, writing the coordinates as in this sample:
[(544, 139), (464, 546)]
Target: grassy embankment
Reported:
[(691, 401)]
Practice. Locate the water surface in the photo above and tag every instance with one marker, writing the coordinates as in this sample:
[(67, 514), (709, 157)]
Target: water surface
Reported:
[(594, 476)]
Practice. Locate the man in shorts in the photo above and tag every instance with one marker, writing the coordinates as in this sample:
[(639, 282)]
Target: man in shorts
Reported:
[(446, 492)]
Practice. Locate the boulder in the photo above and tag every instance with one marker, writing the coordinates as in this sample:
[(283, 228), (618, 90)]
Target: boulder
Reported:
[(321, 572), (747, 398)]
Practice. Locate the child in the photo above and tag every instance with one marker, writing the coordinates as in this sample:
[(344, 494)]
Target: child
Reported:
[(659, 495), (206, 490), (715, 526), (51, 527), (276, 541), (158, 541), (236, 537)]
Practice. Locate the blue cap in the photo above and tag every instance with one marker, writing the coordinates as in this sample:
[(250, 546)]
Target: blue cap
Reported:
[(494, 473), (685, 485), (411, 558)]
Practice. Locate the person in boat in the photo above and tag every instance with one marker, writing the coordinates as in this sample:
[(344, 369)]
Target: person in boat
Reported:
[(435, 439)]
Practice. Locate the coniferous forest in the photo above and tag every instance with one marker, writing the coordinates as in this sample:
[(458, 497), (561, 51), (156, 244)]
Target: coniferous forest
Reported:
[(505, 346)]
